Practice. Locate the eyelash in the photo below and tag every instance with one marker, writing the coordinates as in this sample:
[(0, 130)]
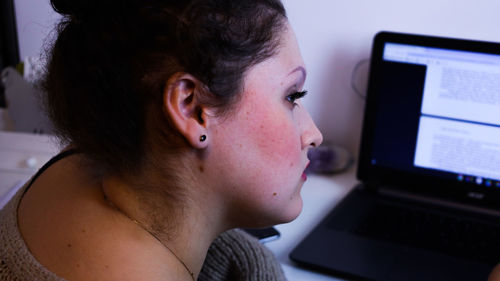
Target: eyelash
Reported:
[(295, 96)]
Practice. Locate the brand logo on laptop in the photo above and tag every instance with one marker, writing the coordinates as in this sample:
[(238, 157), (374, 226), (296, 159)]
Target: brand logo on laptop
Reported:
[(476, 195)]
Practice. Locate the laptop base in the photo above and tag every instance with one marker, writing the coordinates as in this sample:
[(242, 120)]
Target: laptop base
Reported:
[(332, 248)]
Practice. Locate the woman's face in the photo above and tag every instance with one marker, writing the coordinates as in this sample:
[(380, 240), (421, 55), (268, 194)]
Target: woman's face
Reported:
[(259, 154)]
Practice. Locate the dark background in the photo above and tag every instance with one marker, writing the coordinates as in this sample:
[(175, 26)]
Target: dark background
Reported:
[(397, 119), (9, 48)]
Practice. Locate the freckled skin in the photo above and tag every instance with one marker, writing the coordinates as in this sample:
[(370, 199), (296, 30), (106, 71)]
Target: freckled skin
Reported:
[(260, 153)]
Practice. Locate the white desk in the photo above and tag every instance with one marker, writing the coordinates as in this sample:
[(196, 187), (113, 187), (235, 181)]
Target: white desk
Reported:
[(320, 193), (21, 155)]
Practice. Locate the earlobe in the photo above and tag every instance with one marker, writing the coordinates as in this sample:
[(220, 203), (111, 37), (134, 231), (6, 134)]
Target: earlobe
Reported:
[(183, 108)]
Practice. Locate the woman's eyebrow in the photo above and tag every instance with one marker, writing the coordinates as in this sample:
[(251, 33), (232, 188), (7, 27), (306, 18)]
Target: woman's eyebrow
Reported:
[(301, 69)]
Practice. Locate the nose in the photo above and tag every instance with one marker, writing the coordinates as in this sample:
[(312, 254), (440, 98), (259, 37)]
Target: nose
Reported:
[(311, 135)]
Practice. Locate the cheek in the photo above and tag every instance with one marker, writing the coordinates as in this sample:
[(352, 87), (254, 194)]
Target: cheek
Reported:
[(276, 137)]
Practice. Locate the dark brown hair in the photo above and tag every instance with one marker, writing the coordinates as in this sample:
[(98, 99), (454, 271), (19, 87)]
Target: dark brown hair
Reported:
[(111, 60)]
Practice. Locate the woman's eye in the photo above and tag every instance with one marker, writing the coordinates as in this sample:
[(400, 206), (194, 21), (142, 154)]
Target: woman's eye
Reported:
[(295, 96)]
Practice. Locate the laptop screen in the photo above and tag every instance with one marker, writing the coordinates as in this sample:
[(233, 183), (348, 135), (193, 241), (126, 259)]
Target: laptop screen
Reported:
[(433, 109)]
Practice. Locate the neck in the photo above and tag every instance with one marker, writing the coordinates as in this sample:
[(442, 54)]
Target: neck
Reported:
[(185, 232)]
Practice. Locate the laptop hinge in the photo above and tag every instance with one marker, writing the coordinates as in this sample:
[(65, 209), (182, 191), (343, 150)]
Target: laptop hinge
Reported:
[(435, 201)]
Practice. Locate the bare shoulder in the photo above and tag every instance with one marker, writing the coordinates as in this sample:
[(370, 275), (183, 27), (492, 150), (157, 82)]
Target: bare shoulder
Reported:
[(68, 229)]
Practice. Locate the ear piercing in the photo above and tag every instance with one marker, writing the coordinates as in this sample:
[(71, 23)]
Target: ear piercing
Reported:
[(203, 138)]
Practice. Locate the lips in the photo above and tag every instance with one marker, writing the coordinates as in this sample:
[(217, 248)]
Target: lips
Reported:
[(304, 174)]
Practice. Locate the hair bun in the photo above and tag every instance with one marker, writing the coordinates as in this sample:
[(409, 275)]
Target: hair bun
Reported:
[(69, 7), (82, 9)]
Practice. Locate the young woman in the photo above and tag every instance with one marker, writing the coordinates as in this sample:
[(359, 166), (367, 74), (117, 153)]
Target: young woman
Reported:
[(183, 120)]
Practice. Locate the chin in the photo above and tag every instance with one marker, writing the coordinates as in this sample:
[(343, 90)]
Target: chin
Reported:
[(270, 213), (291, 211), (278, 216)]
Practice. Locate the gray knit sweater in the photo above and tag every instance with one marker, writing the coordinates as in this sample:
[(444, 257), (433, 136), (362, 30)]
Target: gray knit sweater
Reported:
[(234, 255)]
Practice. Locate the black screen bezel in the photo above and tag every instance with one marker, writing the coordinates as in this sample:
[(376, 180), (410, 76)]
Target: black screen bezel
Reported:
[(374, 175)]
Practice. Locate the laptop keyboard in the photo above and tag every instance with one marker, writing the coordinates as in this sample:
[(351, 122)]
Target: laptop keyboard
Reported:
[(455, 236)]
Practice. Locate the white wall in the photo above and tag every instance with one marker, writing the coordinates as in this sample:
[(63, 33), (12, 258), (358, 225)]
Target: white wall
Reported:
[(35, 20), (333, 35)]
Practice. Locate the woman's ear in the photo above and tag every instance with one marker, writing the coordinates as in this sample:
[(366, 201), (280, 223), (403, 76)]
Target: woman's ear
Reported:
[(181, 104)]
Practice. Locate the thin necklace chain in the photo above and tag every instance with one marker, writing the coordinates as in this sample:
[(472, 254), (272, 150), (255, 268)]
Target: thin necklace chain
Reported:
[(151, 233)]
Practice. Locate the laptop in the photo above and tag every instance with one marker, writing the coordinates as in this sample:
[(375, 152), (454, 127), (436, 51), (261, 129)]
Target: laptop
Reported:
[(428, 203)]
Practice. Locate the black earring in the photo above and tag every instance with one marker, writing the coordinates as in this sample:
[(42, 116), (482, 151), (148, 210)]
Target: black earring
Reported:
[(203, 138)]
